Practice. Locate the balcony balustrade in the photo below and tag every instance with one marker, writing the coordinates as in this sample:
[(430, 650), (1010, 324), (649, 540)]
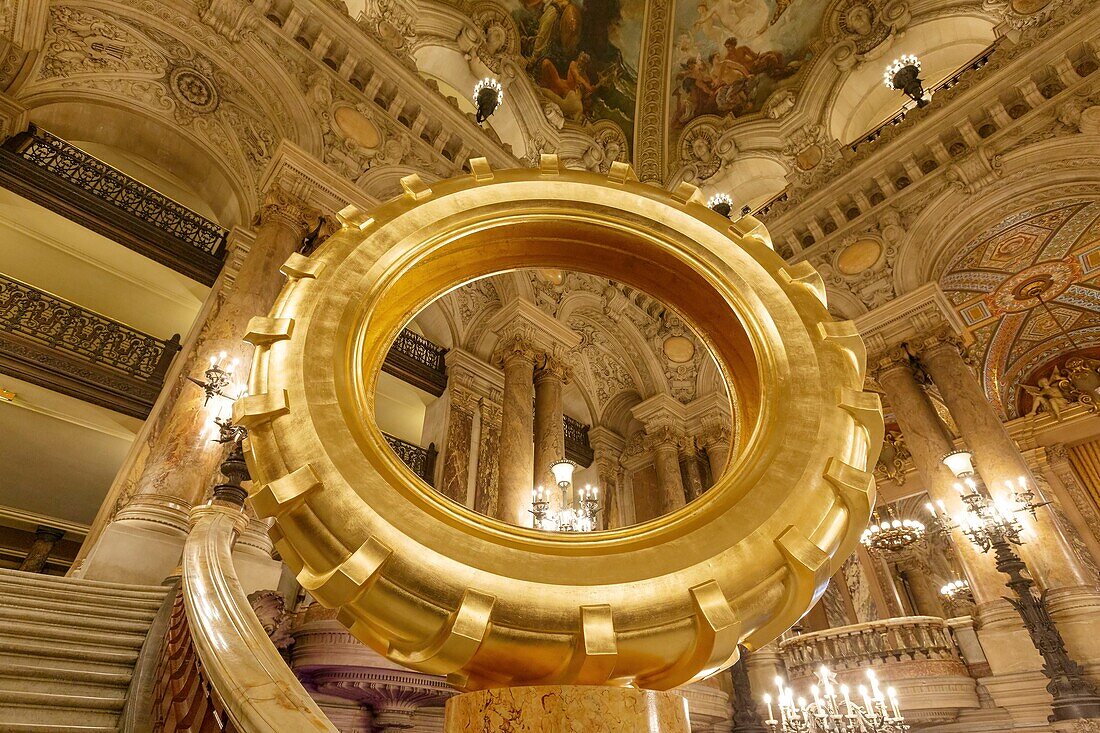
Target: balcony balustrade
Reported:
[(577, 447), (416, 360), (59, 345), (420, 461), (917, 655), (55, 174)]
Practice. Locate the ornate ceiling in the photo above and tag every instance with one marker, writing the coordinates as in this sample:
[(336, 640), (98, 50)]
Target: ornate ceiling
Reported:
[(1053, 248)]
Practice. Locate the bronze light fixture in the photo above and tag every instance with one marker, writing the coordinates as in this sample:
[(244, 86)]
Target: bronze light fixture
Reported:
[(904, 75), (721, 203), (488, 96)]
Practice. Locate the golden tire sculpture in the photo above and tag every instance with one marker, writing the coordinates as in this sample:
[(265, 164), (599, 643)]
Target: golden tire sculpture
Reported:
[(439, 588)]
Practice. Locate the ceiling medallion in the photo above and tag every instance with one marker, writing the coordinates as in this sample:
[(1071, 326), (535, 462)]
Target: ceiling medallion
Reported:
[(193, 89), (1026, 289)]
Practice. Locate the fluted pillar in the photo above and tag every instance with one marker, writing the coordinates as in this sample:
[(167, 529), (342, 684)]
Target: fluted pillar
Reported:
[(998, 460), (691, 476), (663, 444), (550, 378), (517, 460), (927, 438), (44, 540), (181, 461), (488, 457)]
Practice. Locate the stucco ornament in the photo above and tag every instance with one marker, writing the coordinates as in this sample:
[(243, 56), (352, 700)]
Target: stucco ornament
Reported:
[(705, 151), (491, 37), (864, 30), (439, 588)]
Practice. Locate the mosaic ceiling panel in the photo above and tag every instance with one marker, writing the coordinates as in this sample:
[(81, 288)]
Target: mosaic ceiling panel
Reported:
[(1021, 286), (583, 56), (731, 55)]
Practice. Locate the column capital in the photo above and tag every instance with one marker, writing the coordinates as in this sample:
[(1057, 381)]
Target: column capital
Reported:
[(662, 437), (521, 321), (515, 343), (689, 446), (553, 365), (889, 359), (293, 211), (907, 318)]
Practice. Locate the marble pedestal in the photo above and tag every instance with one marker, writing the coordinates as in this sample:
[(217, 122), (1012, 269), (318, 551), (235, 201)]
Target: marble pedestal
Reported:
[(589, 708)]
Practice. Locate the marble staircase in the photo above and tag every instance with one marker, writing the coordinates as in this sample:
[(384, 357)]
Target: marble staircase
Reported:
[(68, 649)]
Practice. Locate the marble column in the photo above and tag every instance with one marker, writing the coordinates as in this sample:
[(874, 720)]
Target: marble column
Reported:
[(517, 460), (927, 439), (998, 460), (607, 450), (883, 587), (180, 460), (663, 444), (918, 576), (689, 460), (550, 378), (716, 439), (488, 458), (454, 477), (44, 540)]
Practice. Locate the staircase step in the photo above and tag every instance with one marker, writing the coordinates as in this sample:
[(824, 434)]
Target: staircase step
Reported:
[(88, 586), (47, 728), (16, 677), (43, 707), (22, 631), (70, 656), (21, 590), (71, 621), (94, 610)]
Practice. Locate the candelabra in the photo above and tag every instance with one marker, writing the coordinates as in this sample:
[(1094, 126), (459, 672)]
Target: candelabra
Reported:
[(217, 377), (488, 96), (904, 75), (991, 529), (892, 534), (575, 515), (956, 595), (830, 712)]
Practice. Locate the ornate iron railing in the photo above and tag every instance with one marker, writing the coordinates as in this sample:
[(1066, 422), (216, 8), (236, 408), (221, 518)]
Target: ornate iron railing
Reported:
[(577, 447), (50, 341), (60, 176), (420, 461), (418, 361)]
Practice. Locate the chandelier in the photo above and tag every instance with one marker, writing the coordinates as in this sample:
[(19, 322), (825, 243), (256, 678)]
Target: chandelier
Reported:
[(575, 513), (830, 712), (904, 75), (957, 591), (488, 96), (892, 534), (721, 203)]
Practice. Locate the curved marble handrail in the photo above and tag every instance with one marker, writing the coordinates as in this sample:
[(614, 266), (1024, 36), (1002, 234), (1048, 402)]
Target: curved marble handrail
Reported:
[(876, 643), (258, 689)]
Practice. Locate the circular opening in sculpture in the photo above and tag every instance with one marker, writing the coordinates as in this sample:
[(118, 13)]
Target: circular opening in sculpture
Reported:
[(547, 249), (574, 400)]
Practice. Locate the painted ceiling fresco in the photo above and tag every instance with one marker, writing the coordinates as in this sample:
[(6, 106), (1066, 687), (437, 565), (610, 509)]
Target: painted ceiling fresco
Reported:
[(1055, 247), (583, 55), (729, 56)]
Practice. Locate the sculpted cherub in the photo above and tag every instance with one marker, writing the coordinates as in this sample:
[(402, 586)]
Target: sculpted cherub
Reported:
[(1047, 396)]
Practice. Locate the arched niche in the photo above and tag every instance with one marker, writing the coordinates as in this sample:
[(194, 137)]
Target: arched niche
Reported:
[(751, 180), (146, 148), (450, 69), (863, 101)]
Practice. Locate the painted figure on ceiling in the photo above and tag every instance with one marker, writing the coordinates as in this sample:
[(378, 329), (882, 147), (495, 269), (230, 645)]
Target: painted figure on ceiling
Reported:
[(582, 55)]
